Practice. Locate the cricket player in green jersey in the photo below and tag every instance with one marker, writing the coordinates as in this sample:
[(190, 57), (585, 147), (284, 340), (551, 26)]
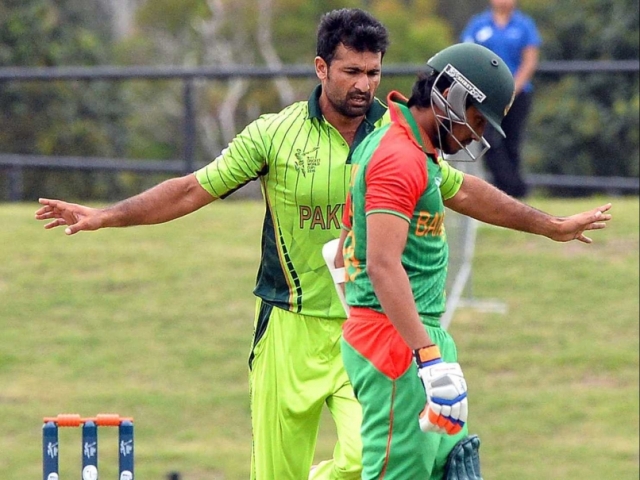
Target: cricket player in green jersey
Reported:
[(302, 158), (402, 364)]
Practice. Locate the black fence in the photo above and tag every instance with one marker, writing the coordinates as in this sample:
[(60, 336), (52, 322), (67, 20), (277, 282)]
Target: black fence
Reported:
[(15, 164)]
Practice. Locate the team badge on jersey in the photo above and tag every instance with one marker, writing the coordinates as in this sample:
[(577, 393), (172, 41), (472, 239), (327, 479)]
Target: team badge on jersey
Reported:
[(306, 162)]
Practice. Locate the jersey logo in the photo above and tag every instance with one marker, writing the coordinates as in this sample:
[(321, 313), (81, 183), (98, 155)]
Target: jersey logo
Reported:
[(484, 34), (306, 162), (326, 218), (430, 224), (468, 85)]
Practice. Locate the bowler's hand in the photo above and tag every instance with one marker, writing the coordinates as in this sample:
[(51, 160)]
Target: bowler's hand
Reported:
[(573, 227), (75, 217)]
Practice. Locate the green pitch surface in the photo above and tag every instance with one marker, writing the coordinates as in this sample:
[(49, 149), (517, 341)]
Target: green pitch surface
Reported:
[(156, 322)]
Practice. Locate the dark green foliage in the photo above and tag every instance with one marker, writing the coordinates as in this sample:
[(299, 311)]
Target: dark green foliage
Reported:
[(77, 118), (587, 124), (39, 33), (597, 30), (582, 124)]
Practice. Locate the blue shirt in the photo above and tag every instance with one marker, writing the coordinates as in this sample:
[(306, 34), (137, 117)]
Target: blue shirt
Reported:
[(508, 41)]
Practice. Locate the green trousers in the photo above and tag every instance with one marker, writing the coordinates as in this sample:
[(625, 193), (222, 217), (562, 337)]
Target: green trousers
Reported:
[(386, 383), (296, 369)]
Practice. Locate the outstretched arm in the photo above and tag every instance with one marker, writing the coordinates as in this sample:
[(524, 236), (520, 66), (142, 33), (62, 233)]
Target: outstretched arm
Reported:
[(482, 201), (166, 201)]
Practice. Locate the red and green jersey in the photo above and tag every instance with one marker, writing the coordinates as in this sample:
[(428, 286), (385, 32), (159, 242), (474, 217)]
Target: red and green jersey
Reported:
[(395, 171), (303, 164)]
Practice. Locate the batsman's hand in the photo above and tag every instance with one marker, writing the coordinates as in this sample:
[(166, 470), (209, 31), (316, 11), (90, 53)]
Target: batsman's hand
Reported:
[(75, 217), (446, 409)]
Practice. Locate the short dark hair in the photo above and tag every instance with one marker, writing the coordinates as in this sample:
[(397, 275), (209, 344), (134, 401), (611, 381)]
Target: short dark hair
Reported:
[(421, 91), (355, 28)]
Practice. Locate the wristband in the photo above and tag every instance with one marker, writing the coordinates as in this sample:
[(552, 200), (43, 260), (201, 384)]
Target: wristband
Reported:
[(426, 356)]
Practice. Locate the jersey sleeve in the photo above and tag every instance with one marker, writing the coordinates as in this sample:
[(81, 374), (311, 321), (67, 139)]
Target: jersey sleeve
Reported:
[(451, 180), (244, 160), (395, 184)]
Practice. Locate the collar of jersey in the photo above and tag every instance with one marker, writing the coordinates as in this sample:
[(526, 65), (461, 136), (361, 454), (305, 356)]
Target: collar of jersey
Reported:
[(376, 110), (401, 114)]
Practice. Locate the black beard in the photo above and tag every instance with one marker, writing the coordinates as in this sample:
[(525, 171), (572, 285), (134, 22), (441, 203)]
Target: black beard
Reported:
[(443, 134), (351, 112)]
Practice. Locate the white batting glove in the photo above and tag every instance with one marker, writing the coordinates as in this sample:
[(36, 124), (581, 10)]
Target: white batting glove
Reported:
[(446, 409)]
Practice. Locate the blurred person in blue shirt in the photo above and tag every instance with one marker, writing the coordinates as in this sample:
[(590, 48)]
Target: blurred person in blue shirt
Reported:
[(514, 37)]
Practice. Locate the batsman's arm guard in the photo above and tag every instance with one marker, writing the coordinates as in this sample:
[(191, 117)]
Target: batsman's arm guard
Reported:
[(329, 251), (463, 462)]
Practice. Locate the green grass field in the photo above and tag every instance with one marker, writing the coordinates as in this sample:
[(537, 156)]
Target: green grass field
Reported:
[(156, 323)]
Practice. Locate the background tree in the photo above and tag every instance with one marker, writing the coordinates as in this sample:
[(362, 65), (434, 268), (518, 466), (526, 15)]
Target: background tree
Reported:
[(587, 124), (57, 118), (458, 12), (581, 124), (221, 33)]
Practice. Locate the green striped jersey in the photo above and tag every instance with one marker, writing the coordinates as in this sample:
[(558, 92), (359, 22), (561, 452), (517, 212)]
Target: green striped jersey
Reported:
[(303, 165)]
